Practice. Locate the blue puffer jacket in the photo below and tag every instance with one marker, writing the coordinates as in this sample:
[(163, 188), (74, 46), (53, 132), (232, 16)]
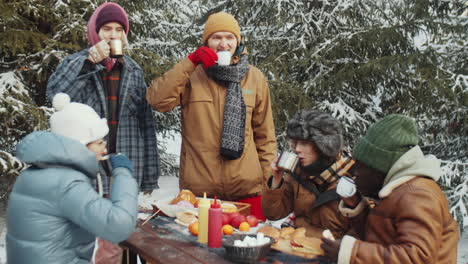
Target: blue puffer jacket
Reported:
[(54, 214)]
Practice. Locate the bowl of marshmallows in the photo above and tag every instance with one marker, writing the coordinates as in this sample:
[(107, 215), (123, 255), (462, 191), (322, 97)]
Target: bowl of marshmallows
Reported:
[(247, 248)]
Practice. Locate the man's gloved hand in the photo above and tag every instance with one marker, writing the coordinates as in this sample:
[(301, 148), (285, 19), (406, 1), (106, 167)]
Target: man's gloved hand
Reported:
[(120, 160), (204, 55), (99, 52)]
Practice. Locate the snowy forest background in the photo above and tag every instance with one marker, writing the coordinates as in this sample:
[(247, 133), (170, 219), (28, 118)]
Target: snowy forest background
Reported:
[(357, 59)]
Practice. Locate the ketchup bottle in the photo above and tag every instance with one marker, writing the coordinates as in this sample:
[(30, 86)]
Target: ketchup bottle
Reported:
[(215, 225), (203, 207)]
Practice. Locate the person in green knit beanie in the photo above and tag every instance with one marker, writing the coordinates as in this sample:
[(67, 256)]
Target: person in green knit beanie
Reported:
[(408, 220)]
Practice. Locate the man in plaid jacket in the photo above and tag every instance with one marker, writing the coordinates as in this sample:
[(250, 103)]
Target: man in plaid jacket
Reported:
[(116, 89)]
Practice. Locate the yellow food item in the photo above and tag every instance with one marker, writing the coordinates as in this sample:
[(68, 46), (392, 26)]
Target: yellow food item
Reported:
[(193, 228), (286, 232), (244, 226), (228, 229), (186, 217), (228, 208), (270, 231), (185, 195)]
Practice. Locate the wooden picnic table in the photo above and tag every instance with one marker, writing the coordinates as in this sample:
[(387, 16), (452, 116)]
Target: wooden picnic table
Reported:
[(161, 240)]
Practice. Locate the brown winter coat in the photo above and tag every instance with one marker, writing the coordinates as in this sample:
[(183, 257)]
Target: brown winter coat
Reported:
[(411, 224), (293, 197), (202, 168)]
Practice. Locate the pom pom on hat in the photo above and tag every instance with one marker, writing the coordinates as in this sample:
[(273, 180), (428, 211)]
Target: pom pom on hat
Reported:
[(221, 21), (60, 100), (76, 121)]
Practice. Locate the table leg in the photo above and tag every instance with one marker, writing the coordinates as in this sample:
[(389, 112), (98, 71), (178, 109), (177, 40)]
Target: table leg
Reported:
[(131, 258)]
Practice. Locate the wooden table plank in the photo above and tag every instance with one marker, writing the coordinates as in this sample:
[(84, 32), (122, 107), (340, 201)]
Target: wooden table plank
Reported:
[(161, 240), (146, 242)]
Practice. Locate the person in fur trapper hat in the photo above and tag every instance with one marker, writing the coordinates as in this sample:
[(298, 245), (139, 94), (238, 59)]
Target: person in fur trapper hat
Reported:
[(309, 192), (410, 222), (54, 213), (115, 88), (228, 135)]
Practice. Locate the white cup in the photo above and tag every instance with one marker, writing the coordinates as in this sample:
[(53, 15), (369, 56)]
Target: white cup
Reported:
[(224, 58), (346, 187)]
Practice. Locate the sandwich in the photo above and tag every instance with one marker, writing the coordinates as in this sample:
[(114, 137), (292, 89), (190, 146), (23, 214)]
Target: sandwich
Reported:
[(185, 218), (307, 245), (270, 231), (286, 232)]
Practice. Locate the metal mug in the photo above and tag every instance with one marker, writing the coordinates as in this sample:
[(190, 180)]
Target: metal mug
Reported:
[(288, 161), (106, 165), (116, 48)]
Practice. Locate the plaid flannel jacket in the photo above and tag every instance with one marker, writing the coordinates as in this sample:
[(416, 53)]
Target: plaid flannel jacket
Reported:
[(136, 135)]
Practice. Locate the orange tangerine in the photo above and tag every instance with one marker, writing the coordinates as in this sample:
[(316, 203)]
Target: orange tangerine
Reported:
[(193, 228), (228, 229), (244, 226)]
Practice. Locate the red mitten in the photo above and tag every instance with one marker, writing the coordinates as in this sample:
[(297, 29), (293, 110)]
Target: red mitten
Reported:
[(203, 55)]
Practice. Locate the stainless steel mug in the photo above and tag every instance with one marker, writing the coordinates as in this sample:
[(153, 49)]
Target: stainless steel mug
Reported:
[(288, 161), (116, 48)]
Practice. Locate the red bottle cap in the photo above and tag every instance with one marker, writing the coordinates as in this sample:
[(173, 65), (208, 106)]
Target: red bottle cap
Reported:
[(216, 204)]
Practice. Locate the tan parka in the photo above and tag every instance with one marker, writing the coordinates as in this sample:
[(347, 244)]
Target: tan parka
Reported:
[(202, 168), (411, 224)]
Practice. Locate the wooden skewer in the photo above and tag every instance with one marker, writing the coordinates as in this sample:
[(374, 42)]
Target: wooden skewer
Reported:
[(151, 216)]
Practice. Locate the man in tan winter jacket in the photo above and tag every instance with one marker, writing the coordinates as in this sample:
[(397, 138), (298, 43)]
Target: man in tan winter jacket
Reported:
[(410, 222), (228, 136)]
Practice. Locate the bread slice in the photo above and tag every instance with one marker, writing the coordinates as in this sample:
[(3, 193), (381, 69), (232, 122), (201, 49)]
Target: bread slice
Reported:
[(286, 232), (308, 245), (270, 231)]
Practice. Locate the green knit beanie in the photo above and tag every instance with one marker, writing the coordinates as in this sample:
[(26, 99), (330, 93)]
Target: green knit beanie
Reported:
[(386, 141)]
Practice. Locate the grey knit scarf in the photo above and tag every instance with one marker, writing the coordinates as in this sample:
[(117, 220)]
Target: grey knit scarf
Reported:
[(233, 135)]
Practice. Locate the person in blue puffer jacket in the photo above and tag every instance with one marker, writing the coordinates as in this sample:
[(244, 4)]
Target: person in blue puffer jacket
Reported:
[(54, 214)]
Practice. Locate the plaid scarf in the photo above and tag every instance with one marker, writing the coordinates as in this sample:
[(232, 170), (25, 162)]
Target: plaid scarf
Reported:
[(332, 174), (233, 135)]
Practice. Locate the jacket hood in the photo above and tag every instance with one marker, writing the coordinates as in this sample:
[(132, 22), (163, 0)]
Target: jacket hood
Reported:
[(412, 164), (45, 149)]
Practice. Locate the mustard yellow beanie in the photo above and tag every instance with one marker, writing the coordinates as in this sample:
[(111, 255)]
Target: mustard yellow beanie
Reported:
[(221, 21)]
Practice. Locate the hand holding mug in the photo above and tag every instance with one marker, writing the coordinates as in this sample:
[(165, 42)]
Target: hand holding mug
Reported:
[(99, 52), (346, 188), (203, 55), (121, 161), (277, 173)]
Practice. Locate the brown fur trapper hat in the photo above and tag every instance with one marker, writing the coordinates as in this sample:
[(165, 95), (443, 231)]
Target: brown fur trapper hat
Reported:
[(320, 128)]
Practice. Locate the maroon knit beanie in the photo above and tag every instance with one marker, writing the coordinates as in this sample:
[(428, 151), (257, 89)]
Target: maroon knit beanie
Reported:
[(109, 14)]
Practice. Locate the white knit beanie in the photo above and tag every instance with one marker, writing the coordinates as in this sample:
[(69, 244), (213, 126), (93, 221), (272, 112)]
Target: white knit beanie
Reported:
[(77, 121)]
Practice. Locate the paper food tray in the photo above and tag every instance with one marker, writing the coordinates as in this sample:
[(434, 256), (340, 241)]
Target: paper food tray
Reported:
[(172, 209)]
